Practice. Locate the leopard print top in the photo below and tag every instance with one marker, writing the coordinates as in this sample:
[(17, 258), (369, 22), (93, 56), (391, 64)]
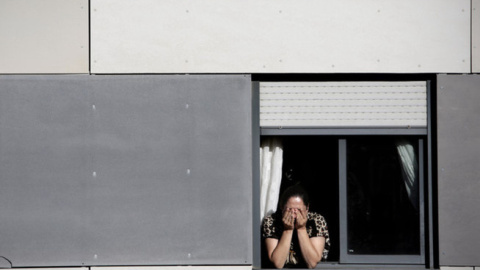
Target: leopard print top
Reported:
[(272, 227)]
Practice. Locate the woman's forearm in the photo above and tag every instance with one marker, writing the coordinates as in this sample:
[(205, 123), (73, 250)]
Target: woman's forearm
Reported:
[(311, 254), (279, 255)]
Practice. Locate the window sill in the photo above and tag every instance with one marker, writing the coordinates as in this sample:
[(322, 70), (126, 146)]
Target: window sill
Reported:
[(337, 266)]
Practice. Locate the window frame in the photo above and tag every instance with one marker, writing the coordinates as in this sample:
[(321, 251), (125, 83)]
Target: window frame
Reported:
[(427, 256)]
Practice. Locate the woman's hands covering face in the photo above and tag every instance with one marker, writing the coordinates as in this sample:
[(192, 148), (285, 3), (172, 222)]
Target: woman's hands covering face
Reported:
[(301, 220), (288, 219), (294, 218)]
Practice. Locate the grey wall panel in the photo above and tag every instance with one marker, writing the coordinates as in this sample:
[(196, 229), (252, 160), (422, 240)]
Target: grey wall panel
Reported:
[(173, 170), (458, 161), (166, 177), (44, 161)]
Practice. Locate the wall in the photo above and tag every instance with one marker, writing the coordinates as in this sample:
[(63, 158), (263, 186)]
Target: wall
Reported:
[(280, 36), (49, 131), (476, 36), (50, 36), (458, 159), (253, 36), (125, 170)]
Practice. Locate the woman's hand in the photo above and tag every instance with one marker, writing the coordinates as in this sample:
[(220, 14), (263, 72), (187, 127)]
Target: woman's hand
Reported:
[(301, 220), (288, 219)]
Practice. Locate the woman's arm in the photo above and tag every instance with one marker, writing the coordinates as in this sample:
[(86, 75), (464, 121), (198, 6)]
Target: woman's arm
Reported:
[(278, 250), (312, 248)]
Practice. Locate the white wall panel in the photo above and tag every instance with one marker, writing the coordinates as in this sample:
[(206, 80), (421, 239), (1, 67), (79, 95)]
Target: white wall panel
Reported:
[(456, 268), (48, 36), (171, 36), (343, 104), (190, 267), (476, 36)]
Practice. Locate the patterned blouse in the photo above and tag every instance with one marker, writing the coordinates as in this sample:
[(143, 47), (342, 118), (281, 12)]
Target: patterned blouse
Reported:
[(316, 226)]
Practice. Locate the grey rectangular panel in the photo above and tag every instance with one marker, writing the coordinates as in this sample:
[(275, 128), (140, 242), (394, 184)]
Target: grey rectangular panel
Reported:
[(173, 170), (458, 159), (157, 170), (44, 162)]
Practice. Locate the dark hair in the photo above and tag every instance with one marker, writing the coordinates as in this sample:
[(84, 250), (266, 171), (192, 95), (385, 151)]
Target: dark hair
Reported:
[(293, 191)]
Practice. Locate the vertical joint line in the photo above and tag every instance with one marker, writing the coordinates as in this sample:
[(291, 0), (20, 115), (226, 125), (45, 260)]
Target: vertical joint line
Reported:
[(89, 38), (471, 36)]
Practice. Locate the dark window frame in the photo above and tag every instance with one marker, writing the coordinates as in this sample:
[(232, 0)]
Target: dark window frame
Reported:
[(426, 258)]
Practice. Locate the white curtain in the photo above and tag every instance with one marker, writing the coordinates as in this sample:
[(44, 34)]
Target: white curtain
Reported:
[(409, 166), (271, 160)]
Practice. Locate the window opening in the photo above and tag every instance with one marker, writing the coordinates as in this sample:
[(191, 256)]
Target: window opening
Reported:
[(312, 162), (419, 228), (381, 215)]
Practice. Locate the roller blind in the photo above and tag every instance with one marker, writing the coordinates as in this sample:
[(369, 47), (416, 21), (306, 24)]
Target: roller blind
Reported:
[(343, 104)]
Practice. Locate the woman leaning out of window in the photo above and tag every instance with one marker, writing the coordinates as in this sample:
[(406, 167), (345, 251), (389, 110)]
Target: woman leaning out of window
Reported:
[(295, 237)]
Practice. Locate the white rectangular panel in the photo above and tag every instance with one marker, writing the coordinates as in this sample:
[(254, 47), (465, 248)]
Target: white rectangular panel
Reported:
[(275, 36), (57, 268), (456, 268), (230, 267), (343, 104), (48, 36), (475, 36)]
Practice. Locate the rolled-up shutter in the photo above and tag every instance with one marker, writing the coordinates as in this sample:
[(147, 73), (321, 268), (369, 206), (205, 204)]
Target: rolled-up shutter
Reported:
[(343, 104)]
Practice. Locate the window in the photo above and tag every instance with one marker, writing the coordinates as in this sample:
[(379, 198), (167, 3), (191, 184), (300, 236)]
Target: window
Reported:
[(381, 191), (369, 181)]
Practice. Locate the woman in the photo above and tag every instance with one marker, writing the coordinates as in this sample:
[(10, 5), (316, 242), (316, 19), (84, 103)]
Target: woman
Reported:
[(294, 237)]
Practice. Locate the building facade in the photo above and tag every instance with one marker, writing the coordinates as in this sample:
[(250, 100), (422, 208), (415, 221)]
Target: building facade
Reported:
[(133, 133)]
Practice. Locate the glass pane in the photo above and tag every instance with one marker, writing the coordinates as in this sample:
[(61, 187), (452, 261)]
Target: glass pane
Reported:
[(382, 196)]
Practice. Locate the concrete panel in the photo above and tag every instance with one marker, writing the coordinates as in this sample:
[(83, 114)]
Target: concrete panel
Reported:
[(125, 170), (231, 267), (58, 268), (48, 36), (256, 36), (476, 36), (172, 169), (44, 161), (456, 268), (458, 178)]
